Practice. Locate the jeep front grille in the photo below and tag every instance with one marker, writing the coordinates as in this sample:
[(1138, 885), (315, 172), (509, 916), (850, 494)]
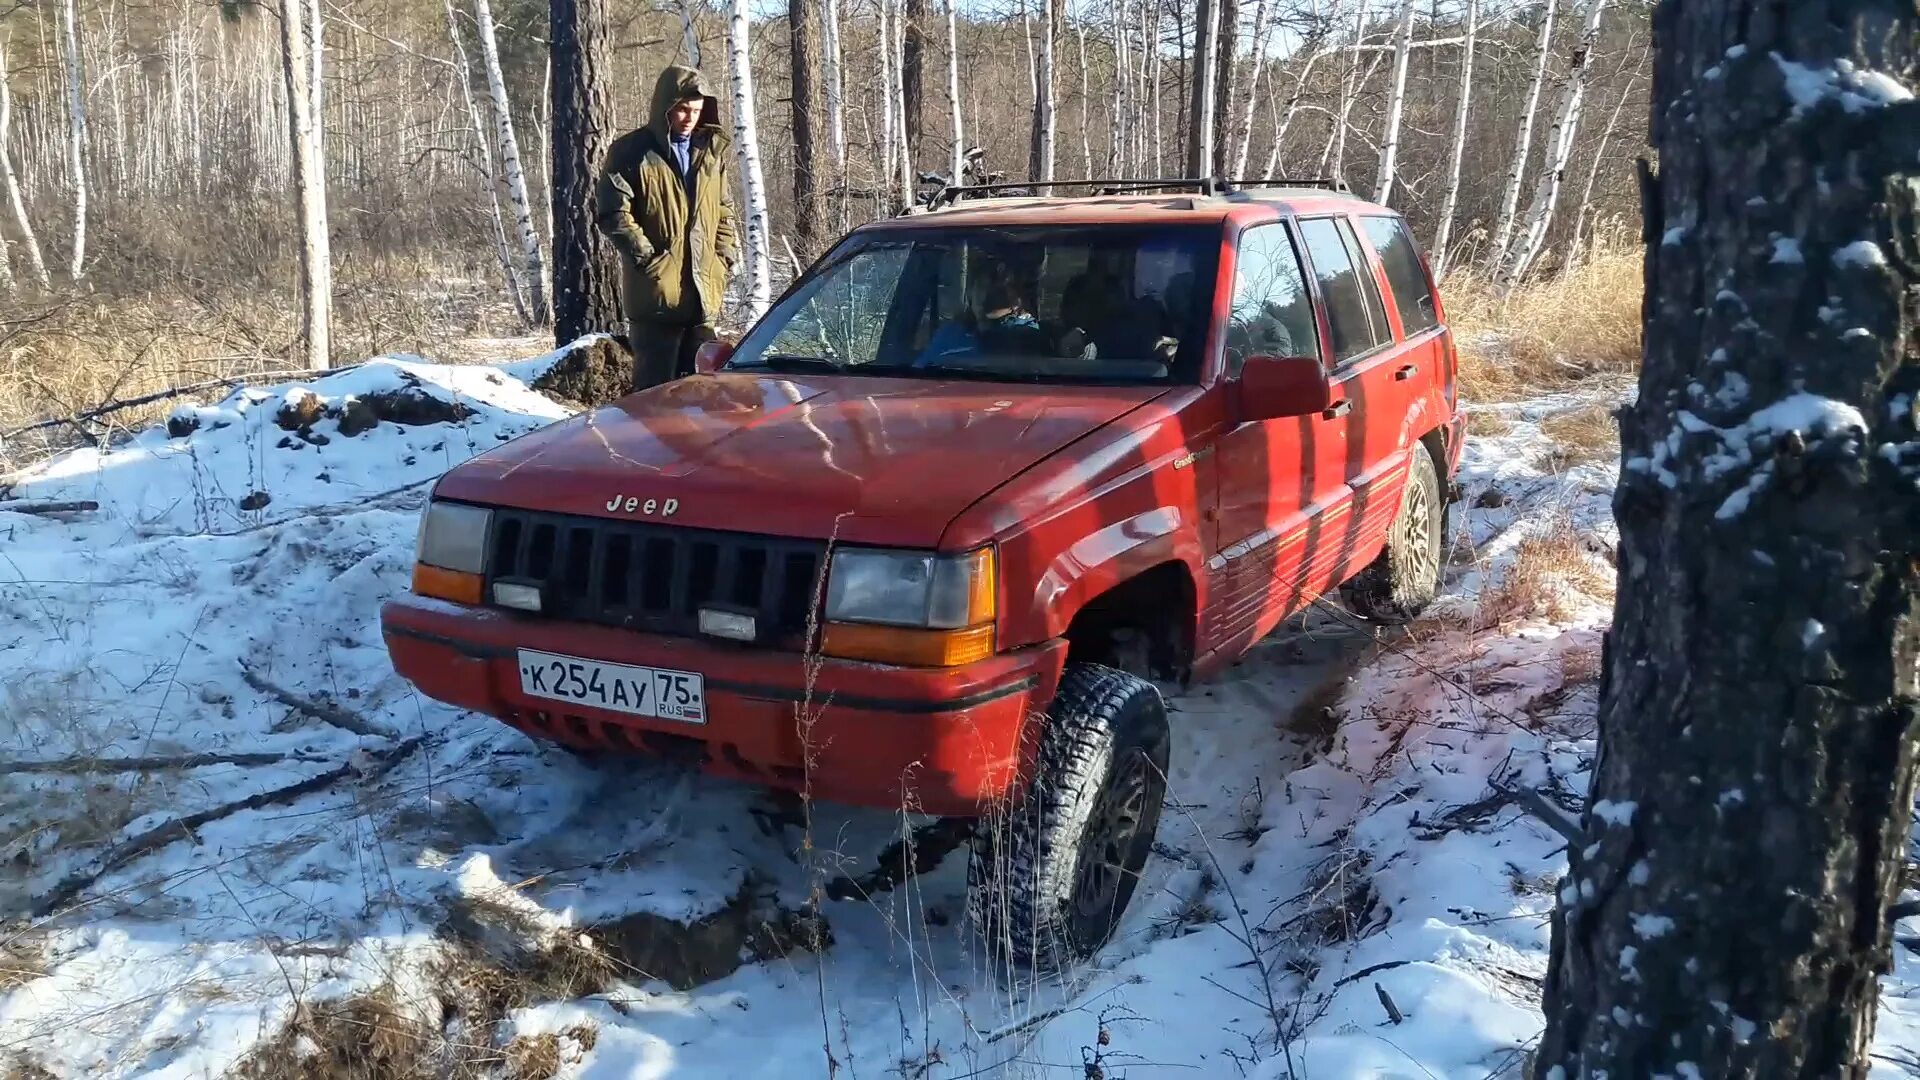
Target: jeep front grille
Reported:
[(656, 578)]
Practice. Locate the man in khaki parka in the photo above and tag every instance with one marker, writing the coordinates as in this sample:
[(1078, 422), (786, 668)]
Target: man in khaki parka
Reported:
[(665, 201)]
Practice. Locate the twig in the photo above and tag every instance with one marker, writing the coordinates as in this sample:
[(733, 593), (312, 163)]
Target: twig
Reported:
[(325, 713), (1548, 814), (182, 827), (1366, 971), (77, 506), (76, 766), (1393, 1011)]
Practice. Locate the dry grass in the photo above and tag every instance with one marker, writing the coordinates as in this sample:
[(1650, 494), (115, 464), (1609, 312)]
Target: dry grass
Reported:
[(63, 355), (20, 960), (1581, 436), (1552, 575), (366, 1037), (1552, 334)]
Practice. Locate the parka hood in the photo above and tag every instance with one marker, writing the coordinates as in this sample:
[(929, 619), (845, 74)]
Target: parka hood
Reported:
[(677, 83)]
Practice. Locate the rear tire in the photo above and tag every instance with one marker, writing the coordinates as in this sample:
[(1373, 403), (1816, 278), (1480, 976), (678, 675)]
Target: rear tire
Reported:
[(1405, 577), (1047, 885)]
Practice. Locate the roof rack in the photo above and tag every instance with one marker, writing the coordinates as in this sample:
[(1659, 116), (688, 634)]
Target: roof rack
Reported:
[(1205, 185)]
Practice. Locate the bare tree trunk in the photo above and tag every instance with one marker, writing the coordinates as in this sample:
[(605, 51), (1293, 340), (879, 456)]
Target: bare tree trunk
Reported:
[(76, 133), (1396, 105), (1444, 230), (803, 28), (836, 97), (1226, 66), (913, 47), (315, 288), (887, 152), (1200, 110), (953, 93), (1156, 77), (1559, 147), (1120, 97), (1086, 99), (1044, 122), (12, 182), (1243, 124), (585, 297), (1726, 907), (1523, 147), (746, 137), (514, 176), (904, 161), (689, 34)]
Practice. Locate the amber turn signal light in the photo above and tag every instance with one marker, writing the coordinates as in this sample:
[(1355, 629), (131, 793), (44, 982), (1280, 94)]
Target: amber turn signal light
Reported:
[(446, 584), (908, 647)]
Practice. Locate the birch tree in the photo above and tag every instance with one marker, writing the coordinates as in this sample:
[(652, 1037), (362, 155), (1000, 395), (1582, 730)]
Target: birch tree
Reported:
[(689, 34), (904, 159), (1559, 147), (503, 252), (759, 251), (315, 275), (1242, 128), (1726, 908), (1396, 105), (1044, 122), (836, 96), (11, 180), (1523, 145), (1576, 245), (512, 174), (1086, 102), (77, 132), (913, 47), (953, 93), (1444, 230)]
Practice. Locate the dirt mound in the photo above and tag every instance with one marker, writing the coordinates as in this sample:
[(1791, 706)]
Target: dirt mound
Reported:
[(590, 373)]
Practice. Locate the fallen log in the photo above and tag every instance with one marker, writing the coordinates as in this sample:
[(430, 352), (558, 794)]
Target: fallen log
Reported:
[(74, 507), (81, 766)]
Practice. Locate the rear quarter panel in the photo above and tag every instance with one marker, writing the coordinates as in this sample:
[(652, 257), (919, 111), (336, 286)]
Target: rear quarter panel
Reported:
[(1131, 496)]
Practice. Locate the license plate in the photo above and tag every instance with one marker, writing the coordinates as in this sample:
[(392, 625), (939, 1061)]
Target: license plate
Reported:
[(627, 688)]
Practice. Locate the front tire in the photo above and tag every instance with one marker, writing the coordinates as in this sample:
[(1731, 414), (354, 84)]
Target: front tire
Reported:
[(1405, 577), (1048, 884)]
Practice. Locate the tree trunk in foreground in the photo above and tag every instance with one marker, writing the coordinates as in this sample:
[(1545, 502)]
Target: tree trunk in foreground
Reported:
[(1725, 912), (585, 293)]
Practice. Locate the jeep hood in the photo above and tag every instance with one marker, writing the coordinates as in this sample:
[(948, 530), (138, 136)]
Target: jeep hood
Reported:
[(862, 459)]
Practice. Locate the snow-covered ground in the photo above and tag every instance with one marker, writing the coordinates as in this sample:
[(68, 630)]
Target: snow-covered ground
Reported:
[(1343, 885)]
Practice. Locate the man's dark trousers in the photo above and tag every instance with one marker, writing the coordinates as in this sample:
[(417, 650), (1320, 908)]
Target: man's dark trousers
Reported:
[(663, 352)]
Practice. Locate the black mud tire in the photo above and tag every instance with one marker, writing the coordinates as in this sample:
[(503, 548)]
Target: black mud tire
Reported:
[(1048, 881), (1405, 577)]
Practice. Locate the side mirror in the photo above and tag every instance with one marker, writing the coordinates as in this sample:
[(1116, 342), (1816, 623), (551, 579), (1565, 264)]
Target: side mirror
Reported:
[(709, 357), (1271, 387)]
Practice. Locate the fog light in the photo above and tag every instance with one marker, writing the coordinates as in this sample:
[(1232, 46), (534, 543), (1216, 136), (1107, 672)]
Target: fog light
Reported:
[(728, 624), (524, 597)]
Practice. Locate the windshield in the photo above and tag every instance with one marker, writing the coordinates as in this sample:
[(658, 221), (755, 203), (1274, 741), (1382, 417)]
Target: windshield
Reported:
[(1034, 303)]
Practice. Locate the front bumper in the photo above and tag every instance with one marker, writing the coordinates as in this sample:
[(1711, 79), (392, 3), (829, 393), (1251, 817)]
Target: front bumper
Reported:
[(947, 741)]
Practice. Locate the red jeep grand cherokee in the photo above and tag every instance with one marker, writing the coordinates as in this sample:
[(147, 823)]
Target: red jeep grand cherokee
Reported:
[(921, 538)]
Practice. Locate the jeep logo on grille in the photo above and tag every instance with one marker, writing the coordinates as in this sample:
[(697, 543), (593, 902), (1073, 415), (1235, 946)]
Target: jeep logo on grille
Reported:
[(634, 504)]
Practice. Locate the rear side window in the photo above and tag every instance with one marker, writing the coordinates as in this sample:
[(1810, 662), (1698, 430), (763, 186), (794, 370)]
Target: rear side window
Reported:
[(1395, 250), (1350, 316), (1272, 313)]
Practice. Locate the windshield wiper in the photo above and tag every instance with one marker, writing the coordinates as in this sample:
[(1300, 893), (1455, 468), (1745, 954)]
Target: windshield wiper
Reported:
[(790, 360)]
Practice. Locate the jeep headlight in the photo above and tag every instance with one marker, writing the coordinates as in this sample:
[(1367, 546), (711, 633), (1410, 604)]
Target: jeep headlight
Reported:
[(453, 536), (910, 607), (450, 552)]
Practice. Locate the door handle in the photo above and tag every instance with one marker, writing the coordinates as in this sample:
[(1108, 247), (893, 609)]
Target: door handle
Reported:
[(1405, 372), (1337, 409)]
